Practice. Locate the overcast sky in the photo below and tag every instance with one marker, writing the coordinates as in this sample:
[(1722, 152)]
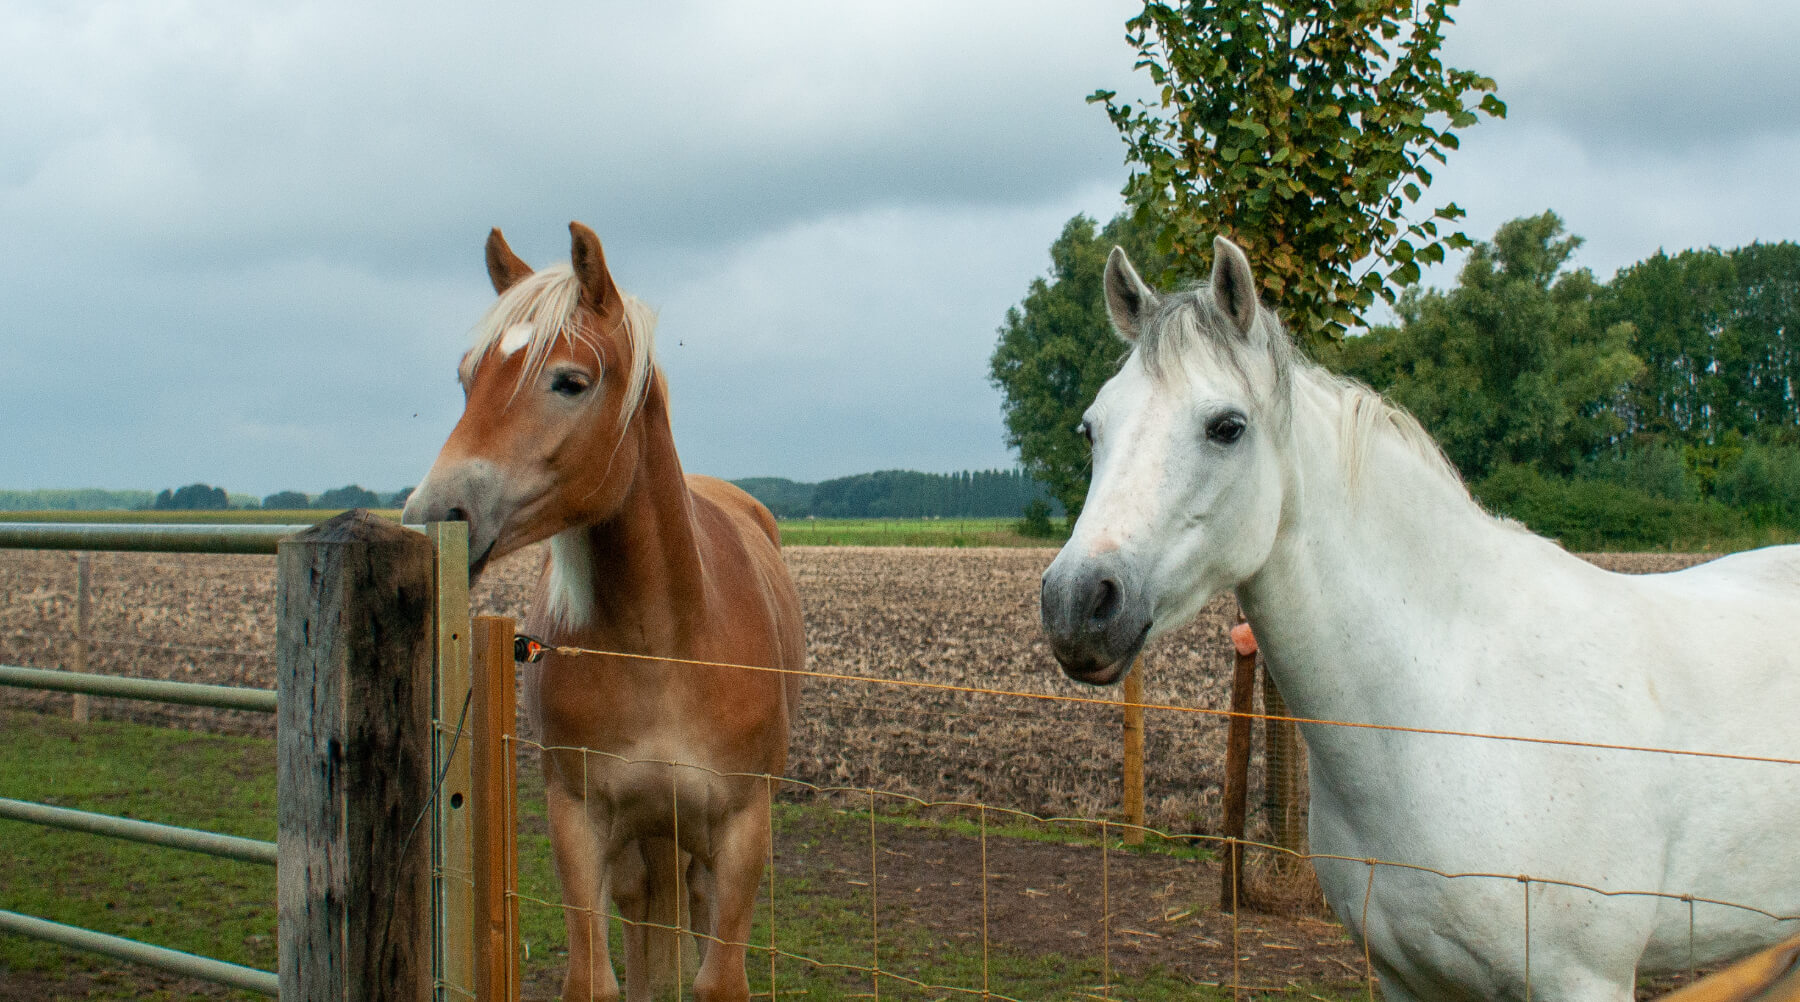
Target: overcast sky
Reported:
[(243, 240)]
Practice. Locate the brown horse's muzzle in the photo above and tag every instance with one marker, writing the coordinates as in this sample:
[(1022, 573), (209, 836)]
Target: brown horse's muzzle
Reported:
[(468, 491)]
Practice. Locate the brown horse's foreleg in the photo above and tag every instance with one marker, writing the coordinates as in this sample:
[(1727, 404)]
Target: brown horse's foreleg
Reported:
[(577, 841), (644, 887), (742, 846), (700, 903)]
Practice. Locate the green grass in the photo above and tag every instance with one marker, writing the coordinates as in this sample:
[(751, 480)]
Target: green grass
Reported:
[(226, 909), (798, 532), (195, 903), (908, 532), (1005, 824)]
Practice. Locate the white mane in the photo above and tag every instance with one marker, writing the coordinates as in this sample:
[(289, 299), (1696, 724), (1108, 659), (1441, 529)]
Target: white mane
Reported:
[(542, 307), (1189, 321)]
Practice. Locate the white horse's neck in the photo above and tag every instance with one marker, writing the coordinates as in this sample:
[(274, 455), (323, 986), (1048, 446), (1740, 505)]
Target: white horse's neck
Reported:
[(1372, 552)]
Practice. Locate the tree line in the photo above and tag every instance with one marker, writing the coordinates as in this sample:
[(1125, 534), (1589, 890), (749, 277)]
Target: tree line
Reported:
[(903, 494), (205, 497), (1661, 404), (194, 497)]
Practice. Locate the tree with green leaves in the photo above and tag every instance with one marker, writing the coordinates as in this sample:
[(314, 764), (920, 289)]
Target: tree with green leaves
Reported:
[(1305, 132), (348, 496), (1055, 350), (193, 497), (1515, 365), (286, 500), (1719, 332), (1679, 306)]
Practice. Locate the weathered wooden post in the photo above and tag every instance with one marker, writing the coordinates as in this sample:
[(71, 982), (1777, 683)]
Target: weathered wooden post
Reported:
[(1237, 765), (494, 813), (353, 740), (1133, 795), (79, 661), (1284, 757)]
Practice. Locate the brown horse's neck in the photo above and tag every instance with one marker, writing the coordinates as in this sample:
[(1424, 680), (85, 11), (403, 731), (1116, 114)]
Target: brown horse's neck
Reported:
[(647, 573)]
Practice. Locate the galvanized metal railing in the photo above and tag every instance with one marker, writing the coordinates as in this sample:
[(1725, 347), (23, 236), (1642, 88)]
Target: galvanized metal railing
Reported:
[(138, 538), (160, 539), (219, 697), (171, 836), (404, 698)]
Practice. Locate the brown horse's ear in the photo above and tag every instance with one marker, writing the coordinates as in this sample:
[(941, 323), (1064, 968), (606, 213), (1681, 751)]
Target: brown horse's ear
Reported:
[(505, 269), (598, 291)]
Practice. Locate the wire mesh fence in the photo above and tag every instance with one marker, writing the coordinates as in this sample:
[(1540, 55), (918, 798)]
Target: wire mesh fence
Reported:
[(950, 971), (933, 838)]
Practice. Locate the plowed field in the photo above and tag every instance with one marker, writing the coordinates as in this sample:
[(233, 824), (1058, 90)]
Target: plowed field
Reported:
[(963, 617)]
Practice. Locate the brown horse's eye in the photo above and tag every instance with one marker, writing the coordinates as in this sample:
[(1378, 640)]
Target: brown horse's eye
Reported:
[(569, 384)]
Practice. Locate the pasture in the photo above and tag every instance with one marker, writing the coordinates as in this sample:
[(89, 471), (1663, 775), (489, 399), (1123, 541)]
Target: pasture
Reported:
[(952, 532), (1045, 939), (958, 617)]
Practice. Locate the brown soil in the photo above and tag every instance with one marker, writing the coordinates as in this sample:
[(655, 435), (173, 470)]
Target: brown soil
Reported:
[(958, 616), (965, 617), (1049, 898)]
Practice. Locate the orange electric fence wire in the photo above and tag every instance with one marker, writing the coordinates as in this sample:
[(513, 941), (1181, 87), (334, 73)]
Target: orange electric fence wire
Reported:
[(1106, 828), (1204, 711), (876, 972)]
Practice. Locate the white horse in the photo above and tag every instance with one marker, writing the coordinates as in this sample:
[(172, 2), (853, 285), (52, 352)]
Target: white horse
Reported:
[(1383, 595)]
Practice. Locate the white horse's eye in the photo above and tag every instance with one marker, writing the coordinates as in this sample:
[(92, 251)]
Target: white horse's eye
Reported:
[(1225, 428)]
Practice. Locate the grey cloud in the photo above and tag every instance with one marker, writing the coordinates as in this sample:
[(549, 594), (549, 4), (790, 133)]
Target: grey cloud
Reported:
[(247, 238), (1661, 79)]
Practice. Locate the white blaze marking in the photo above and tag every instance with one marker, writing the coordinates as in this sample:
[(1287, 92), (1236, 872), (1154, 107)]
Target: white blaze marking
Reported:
[(517, 336)]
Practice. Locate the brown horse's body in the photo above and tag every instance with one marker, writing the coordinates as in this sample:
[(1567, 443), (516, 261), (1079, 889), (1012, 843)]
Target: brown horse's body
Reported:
[(658, 772), (615, 815)]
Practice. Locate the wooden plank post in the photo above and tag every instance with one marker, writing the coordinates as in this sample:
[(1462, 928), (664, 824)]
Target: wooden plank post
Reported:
[(494, 812), (1237, 765), (79, 662), (453, 847), (353, 774), (1133, 795)]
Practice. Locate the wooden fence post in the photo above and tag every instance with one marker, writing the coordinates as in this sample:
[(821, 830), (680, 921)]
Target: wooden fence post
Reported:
[(1284, 757), (1237, 765), (353, 775), (1133, 795), (79, 662), (494, 812)]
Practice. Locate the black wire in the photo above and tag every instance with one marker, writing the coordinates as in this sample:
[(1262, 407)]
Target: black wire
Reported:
[(437, 784)]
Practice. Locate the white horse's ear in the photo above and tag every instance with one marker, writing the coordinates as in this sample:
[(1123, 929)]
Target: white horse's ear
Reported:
[(598, 290), (1128, 299), (505, 269), (1234, 288)]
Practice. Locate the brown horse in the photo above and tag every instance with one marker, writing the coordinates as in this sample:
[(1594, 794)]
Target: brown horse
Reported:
[(565, 436)]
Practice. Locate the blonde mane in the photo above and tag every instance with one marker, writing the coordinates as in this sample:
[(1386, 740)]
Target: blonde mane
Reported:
[(544, 304)]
